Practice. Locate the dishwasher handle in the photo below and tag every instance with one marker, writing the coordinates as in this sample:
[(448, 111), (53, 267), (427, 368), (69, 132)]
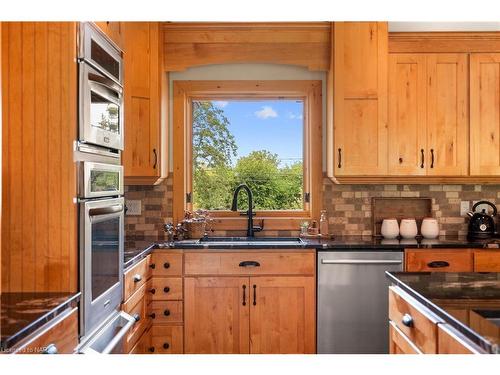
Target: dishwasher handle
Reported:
[(361, 261)]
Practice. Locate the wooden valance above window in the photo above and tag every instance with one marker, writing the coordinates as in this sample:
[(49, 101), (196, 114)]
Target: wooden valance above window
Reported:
[(297, 43)]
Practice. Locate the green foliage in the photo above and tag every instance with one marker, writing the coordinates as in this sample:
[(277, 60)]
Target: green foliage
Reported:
[(274, 187)]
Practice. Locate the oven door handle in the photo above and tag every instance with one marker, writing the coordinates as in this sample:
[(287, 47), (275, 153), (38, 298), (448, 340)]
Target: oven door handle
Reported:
[(104, 91), (119, 336), (106, 210)]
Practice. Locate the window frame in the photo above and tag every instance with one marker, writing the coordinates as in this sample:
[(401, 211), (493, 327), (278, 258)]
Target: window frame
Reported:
[(309, 91)]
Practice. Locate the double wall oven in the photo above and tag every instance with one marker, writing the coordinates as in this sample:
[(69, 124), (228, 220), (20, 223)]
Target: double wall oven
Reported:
[(100, 190)]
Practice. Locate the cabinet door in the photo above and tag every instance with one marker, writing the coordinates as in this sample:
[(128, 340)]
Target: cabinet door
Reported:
[(282, 315), (485, 114), (216, 318), (407, 114), (360, 99), (141, 157), (447, 115)]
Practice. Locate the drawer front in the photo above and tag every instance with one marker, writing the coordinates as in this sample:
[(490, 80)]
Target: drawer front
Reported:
[(166, 311), (250, 263), (62, 334), (166, 264), (139, 309), (136, 277), (487, 261), (167, 339), (459, 260), (451, 341), (166, 288), (143, 345), (399, 343), (415, 321)]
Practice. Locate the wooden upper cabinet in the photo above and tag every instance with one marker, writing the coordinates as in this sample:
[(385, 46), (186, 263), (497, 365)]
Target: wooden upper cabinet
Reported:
[(407, 114), (485, 114), (216, 315), (447, 114), (113, 30), (282, 315), (359, 69), (145, 91)]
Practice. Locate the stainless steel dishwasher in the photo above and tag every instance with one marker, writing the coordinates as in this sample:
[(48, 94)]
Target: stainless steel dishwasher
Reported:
[(353, 300)]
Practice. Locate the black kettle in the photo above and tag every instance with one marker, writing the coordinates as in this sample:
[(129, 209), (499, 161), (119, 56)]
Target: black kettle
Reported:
[(482, 224)]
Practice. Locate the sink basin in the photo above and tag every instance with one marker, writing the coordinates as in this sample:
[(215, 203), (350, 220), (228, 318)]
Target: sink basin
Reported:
[(249, 241)]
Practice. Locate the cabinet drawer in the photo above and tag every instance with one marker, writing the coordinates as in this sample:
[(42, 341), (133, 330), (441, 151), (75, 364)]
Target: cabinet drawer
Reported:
[(249, 263), (457, 260), (136, 305), (166, 288), (166, 311), (167, 339), (450, 341), (166, 264), (143, 345), (399, 343), (136, 277), (414, 320), (62, 333), (487, 261)]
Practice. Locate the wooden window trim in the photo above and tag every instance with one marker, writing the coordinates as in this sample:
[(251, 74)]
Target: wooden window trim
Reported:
[(309, 91)]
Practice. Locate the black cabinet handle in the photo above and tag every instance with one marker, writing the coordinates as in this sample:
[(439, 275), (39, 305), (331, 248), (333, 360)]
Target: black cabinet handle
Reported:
[(166, 289), (249, 263), (151, 349), (422, 155), (156, 158), (244, 295), (407, 320), (166, 345), (166, 312), (137, 317), (152, 266), (438, 264), (166, 265), (254, 294), (152, 316), (50, 349), (340, 158), (152, 290), (432, 158), (137, 278)]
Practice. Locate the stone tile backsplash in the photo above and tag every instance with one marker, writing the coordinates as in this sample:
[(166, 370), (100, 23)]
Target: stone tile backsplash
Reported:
[(348, 206)]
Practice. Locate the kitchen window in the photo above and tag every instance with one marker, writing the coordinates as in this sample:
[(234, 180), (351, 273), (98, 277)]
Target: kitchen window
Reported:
[(265, 134)]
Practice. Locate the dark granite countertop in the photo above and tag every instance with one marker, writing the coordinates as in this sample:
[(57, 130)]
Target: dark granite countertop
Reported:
[(463, 300), (138, 248), (23, 313)]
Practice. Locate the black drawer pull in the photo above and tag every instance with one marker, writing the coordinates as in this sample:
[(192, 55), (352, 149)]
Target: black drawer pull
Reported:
[(166, 345), (166, 312), (152, 316), (244, 295), (438, 264), (254, 294), (407, 320), (249, 263), (423, 157), (166, 265), (152, 291), (166, 289), (151, 349), (152, 266)]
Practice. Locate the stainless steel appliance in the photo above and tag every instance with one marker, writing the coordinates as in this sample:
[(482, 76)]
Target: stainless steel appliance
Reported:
[(353, 301), (100, 179), (100, 89)]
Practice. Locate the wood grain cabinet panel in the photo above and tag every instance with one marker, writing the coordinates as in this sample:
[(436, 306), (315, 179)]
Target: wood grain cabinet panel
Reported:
[(145, 101), (136, 277), (407, 131), (167, 339), (143, 345), (166, 311), (443, 260), (282, 315), (450, 341), (486, 261), (399, 343), (166, 263), (485, 114), (358, 86), (216, 315), (166, 288)]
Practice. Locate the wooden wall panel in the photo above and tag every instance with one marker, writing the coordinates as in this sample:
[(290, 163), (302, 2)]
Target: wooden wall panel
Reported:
[(39, 251), (193, 44)]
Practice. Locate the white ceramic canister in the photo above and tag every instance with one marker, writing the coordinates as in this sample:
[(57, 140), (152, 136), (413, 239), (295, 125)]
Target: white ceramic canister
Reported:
[(390, 228), (429, 228), (408, 228)]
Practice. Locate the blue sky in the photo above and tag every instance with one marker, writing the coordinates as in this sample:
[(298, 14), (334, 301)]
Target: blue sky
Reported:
[(272, 125)]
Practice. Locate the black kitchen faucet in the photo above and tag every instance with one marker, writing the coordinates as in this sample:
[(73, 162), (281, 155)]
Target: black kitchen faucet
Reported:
[(250, 228)]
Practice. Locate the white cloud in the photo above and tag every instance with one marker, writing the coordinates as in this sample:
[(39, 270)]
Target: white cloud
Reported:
[(221, 103), (293, 116), (266, 112)]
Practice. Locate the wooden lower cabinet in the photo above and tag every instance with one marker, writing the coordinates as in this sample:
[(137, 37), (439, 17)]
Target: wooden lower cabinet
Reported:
[(250, 314), (399, 343), (486, 261), (439, 260)]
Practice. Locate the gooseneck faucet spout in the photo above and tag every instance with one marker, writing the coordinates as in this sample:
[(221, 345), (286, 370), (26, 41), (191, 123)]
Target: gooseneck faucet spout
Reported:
[(234, 207)]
